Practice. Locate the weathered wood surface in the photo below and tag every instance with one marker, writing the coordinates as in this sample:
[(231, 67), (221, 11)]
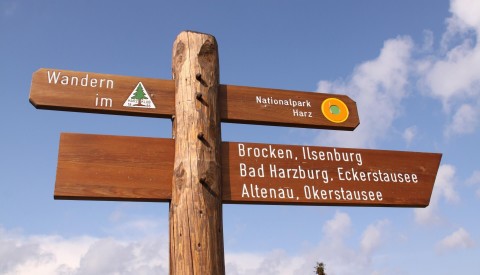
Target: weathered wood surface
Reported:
[(196, 227), (312, 175), (99, 167), (105, 93), (134, 168), (65, 90), (241, 104)]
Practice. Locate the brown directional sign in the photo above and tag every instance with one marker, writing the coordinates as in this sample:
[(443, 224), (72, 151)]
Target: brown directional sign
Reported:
[(102, 93), (124, 95), (287, 108), (132, 168), (310, 175), (99, 167)]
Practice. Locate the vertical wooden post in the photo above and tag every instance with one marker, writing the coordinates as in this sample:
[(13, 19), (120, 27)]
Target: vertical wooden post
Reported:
[(196, 227)]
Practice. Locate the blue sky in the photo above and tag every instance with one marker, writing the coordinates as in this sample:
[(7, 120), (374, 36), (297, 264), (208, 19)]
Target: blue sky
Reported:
[(411, 66)]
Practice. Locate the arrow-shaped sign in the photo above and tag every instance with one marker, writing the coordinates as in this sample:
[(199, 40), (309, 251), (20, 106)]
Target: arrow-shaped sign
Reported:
[(101, 167)]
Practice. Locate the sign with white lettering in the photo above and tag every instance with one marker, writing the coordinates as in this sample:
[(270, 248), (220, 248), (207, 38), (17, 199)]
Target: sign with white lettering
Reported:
[(251, 173), (287, 108), (102, 93), (308, 175), (124, 95)]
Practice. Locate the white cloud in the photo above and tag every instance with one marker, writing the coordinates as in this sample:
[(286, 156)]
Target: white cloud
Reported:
[(14, 253), (272, 263), (339, 255), (464, 121), (147, 256), (409, 134), (444, 188), (455, 77), (474, 179), (242, 263), (445, 184), (338, 227), (84, 255), (467, 11), (373, 236), (449, 74), (39, 254), (459, 239), (332, 250), (452, 74), (428, 39), (52, 254), (378, 86)]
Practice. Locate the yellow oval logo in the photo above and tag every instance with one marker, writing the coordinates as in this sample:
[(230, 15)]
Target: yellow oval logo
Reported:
[(335, 110)]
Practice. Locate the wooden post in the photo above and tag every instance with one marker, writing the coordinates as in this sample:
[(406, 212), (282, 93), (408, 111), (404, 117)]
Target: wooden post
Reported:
[(196, 227)]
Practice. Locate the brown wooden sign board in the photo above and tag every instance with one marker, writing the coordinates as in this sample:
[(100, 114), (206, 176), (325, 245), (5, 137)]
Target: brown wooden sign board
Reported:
[(101, 93), (311, 175), (102, 167), (99, 167), (125, 95)]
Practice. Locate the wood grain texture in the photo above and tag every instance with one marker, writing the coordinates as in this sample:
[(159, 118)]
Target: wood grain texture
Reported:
[(337, 176), (139, 169), (238, 104), (79, 94), (196, 228), (101, 167)]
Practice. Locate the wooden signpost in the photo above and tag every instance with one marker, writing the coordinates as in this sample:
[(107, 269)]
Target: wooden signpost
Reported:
[(196, 172)]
